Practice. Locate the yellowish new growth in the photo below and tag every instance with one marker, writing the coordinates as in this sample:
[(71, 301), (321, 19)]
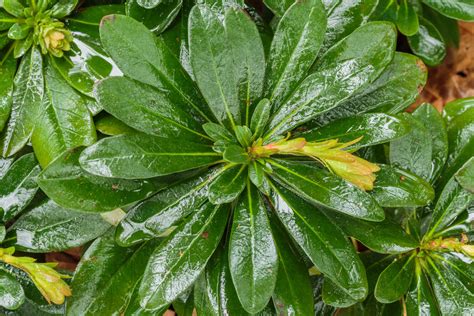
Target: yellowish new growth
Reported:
[(451, 244), (48, 281), (334, 155)]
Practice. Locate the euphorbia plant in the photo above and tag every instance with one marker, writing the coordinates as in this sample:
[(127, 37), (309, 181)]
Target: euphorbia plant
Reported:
[(250, 170)]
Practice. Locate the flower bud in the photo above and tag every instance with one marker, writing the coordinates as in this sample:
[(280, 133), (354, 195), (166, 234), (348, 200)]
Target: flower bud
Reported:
[(55, 39)]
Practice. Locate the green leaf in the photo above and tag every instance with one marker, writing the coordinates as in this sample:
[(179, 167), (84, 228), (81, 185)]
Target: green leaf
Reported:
[(454, 298), (218, 132), (111, 126), (249, 58), (28, 89), (461, 144), (18, 186), (394, 90), (456, 9), (147, 109), (420, 299), (260, 118), (236, 154), (253, 260), (144, 58), (347, 67), (293, 292), (2, 232), (376, 128), (278, 7), (243, 135), (322, 188), (336, 296), (68, 185), (179, 260), (7, 72), (14, 7), (210, 49), (162, 211), (447, 27), (434, 123), (322, 241), (344, 17), (413, 152), (48, 227), (395, 187), (456, 108), (294, 48), (395, 280), (86, 62), (19, 31), (62, 8), (257, 176), (141, 156), (428, 43), (106, 276), (382, 237), (407, 19), (452, 201), (228, 185), (64, 122), (214, 292), (12, 295), (158, 18), (465, 176), (6, 20)]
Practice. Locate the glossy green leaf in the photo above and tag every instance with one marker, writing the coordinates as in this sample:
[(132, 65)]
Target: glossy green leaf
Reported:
[(420, 299), (293, 292), (461, 144), (260, 118), (382, 237), (395, 280), (2, 232), (456, 108), (64, 121), (62, 8), (142, 156), (18, 186), (243, 135), (6, 20), (395, 187), (210, 49), (14, 7), (7, 72), (228, 185), (344, 17), (147, 109), (106, 276), (162, 211), (134, 308), (214, 292), (407, 19), (4, 40), (322, 241), (278, 7), (48, 227), (428, 43), (434, 123), (144, 58), (394, 90), (456, 9), (373, 129), (322, 188), (348, 66), (454, 298), (158, 18), (28, 89), (465, 176), (334, 295), (19, 31), (23, 46), (236, 154), (413, 152), (182, 256), (12, 295), (257, 176), (253, 260), (111, 126), (71, 187), (452, 201), (447, 27), (249, 59), (86, 62), (294, 49), (218, 132)]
